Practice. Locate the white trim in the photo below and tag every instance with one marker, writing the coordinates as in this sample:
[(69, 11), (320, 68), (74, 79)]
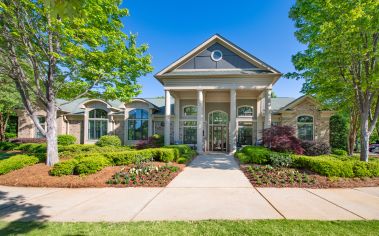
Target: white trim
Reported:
[(252, 107), (82, 105), (184, 107), (213, 55), (313, 126)]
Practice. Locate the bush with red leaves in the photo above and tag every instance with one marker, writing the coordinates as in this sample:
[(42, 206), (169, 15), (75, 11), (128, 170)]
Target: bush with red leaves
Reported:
[(282, 139), (28, 140)]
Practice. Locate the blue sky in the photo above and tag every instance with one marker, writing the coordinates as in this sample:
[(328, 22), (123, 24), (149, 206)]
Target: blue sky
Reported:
[(172, 28)]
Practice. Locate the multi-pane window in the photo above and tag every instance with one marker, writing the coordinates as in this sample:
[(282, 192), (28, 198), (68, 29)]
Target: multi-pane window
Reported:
[(190, 111), (245, 111), (245, 133), (42, 121), (189, 132), (97, 124), (305, 128), (218, 118), (138, 124)]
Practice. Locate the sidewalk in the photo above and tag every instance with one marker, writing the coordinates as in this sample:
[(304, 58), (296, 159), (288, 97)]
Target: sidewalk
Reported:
[(212, 187)]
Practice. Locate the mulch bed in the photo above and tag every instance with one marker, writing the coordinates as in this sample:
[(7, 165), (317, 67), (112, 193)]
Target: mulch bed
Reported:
[(263, 176), (38, 176)]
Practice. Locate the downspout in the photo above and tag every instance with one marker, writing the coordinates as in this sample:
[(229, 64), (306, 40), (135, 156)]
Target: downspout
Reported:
[(67, 124)]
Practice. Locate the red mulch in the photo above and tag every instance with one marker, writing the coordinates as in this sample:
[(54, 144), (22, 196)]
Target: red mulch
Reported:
[(38, 176), (317, 181)]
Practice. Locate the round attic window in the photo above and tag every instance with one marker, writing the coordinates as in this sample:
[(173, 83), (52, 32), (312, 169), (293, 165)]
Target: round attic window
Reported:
[(216, 55)]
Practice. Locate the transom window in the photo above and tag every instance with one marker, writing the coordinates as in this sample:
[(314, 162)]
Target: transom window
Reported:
[(218, 118), (42, 121), (190, 111), (245, 111), (97, 124), (305, 128), (138, 124), (189, 132)]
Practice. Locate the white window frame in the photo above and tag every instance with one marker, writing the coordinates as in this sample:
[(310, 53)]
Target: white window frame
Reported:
[(43, 125), (97, 119), (252, 115), (186, 106), (313, 126)]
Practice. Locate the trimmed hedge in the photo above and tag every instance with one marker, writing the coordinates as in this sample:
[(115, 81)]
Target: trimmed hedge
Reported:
[(185, 153), (339, 152), (6, 146), (332, 166), (66, 139), (254, 154), (109, 140), (327, 165), (17, 162), (64, 167), (91, 165), (32, 147)]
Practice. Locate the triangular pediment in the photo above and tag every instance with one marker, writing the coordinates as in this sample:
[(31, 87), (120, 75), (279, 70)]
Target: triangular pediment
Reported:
[(233, 59)]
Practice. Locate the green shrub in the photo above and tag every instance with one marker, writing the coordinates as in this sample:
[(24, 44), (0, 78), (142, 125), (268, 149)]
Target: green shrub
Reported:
[(242, 157), (78, 149), (254, 154), (280, 159), (182, 160), (32, 147), (17, 162), (10, 135), (64, 168), (6, 146), (360, 169), (339, 152), (164, 154), (128, 157), (91, 164), (338, 132), (373, 167), (109, 140), (183, 151), (66, 139)]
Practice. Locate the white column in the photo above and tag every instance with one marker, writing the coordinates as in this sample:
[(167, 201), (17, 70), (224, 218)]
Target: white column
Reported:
[(126, 128), (200, 119), (176, 121), (233, 125), (167, 118), (150, 123), (267, 108), (85, 120)]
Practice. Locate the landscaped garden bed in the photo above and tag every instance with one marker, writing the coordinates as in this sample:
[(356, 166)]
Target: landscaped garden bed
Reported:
[(280, 177), (92, 165)]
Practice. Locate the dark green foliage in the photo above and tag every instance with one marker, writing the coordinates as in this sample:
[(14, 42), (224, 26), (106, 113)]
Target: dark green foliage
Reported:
[(17, 162), (315, 148), (10, 135), (183, 151), (254, 154), (32, 147), (5, 146), (109, 140), (339, 152), (66, 139), (338, 132), (64, 167), (280, 159), (91, 165)]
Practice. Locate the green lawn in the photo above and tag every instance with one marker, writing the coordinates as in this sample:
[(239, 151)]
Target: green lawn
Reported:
[(258, 227)]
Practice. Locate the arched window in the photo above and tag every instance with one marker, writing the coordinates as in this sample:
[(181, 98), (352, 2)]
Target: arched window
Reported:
[(138, 124), (245, 111), (218, 118), (305, 128), (190, 110), (97, 124)]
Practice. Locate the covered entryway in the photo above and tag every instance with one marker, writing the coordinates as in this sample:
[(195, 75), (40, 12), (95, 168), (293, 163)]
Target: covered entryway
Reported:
[(218, 131)]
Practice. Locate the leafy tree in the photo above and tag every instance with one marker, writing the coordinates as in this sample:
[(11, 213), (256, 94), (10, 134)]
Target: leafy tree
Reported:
[(338, 132), (68, 49), (9, 101), (342, 40)]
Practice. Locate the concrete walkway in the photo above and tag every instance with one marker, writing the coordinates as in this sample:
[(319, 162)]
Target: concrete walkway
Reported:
[(211, 187)]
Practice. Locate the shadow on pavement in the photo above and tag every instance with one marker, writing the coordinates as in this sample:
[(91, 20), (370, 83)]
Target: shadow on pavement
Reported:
[(27, 212)]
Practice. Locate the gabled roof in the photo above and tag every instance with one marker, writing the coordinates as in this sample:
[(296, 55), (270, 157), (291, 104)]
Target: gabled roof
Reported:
[(297, 101), (279, 102), (262, 67)]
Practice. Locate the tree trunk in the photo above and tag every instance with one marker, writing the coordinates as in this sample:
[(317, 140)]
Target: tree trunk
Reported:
[(2, 127), (51, 134), (365, 138), (353, 130)]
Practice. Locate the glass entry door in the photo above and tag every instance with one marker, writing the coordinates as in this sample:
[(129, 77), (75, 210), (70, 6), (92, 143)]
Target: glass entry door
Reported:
[(218, 140)]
